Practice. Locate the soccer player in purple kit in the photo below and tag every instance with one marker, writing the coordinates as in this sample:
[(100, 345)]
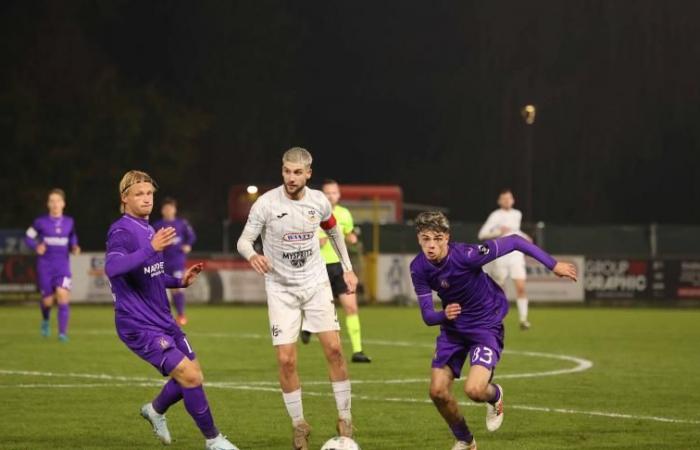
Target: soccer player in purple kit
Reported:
[(471, 322), (135, 267), (53, 237), (176, 254)]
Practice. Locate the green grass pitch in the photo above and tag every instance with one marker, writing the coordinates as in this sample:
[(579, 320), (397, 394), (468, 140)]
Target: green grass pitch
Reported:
[(642, 390)]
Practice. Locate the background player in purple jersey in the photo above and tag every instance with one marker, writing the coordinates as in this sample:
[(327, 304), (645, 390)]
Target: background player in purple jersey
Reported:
[(53, 237), (176, 254), (136, 270), (471, 321)]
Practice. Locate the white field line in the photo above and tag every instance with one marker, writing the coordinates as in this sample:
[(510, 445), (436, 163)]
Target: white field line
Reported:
[(581, 363), (140, 381)]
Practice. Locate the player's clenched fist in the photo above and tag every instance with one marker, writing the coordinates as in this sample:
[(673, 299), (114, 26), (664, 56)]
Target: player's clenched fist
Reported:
[(452, 311), (163, 238), (565, 270), (260, 263)]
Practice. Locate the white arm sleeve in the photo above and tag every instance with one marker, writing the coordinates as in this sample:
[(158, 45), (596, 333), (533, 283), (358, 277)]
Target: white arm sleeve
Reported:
[(335, 235), (337, 240), (490, 228), (251, 231)]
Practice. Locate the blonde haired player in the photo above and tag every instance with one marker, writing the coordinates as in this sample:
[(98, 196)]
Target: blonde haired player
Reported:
[(297, 283), (505, 221)]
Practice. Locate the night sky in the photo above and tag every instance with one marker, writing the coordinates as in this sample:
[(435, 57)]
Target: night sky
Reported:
[(426, 95)]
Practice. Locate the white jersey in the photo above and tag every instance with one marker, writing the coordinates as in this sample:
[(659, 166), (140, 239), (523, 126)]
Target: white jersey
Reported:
[(288, 228), (501, 218)]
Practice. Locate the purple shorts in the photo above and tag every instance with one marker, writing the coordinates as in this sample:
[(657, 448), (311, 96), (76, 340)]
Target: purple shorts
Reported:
[(482, 349), (49, 280), (164, 350)]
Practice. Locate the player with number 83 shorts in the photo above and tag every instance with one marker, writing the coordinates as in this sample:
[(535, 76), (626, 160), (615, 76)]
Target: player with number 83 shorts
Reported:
[(471, 322)]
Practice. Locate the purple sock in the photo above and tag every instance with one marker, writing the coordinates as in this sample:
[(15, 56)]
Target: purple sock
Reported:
[(45, 311), (496, 397), (168, 396), (179, 301), (197, 405), (63, 314), (461, 431)]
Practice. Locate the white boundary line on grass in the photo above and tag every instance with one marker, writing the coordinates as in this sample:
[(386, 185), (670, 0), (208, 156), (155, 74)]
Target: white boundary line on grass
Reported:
[(148, 382)]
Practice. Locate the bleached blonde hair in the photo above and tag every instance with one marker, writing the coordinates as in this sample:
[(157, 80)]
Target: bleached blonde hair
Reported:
[(432, 221), (298, 155), (131, 178)]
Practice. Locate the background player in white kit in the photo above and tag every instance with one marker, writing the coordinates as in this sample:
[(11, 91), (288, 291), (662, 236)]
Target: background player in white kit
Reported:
[(297, 283), (503, 222)]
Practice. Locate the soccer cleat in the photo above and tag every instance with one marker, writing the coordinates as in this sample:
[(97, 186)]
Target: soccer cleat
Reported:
[(494, 413), (63, 337), (344, 428), (302, 431), (461, 445), (182, 320), (359, 357), (45, 330), (219, 443), (524, 325), (305, 336), (160, 425)]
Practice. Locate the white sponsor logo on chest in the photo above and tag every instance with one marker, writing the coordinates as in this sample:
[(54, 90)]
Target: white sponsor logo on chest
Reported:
[(298, 237), (154, 269)]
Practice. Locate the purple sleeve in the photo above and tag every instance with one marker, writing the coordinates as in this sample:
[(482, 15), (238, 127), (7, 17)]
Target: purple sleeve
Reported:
[(171, 282), (430, 316), (425, 298), (190, 235), (479, 255), (120, 259)]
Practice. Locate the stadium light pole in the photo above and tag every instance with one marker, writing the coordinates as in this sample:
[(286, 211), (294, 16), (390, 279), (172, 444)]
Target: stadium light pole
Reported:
[(529, 112)]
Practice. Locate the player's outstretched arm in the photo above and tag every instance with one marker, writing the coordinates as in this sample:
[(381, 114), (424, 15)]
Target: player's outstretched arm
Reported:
[(499, 247)]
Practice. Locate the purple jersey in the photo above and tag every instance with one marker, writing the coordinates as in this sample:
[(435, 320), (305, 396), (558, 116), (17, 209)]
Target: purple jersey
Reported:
[(459, 278), (137, 275), (59, 236), (184, 235)]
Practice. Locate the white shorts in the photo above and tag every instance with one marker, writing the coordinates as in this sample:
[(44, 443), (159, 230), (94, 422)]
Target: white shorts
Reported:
[(510, 266), (288, 308)]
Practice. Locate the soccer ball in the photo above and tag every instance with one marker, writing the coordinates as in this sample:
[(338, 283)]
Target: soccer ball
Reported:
[(340, 443)]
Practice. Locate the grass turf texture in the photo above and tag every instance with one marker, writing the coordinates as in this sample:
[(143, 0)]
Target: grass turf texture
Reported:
[(646, 363)]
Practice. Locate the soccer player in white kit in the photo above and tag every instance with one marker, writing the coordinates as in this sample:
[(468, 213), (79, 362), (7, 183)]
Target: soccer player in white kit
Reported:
[(503, 222), (297, 285)]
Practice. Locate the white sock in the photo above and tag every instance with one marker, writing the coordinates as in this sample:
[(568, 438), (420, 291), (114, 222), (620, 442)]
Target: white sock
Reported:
[(295, 409), (342, 392), (522, 309)]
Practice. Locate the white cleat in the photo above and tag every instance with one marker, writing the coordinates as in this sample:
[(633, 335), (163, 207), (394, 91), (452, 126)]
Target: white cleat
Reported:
[(461, 445), (219, 443), (160, 425), (494, 413)]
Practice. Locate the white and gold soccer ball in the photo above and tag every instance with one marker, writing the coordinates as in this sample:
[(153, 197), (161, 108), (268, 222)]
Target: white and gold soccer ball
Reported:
[(340, 443)]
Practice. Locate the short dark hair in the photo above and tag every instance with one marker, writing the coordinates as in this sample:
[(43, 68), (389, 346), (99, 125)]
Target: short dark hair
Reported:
[(168, 201), (328, 181), (58, 191), (505, 190), (434, 221)]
